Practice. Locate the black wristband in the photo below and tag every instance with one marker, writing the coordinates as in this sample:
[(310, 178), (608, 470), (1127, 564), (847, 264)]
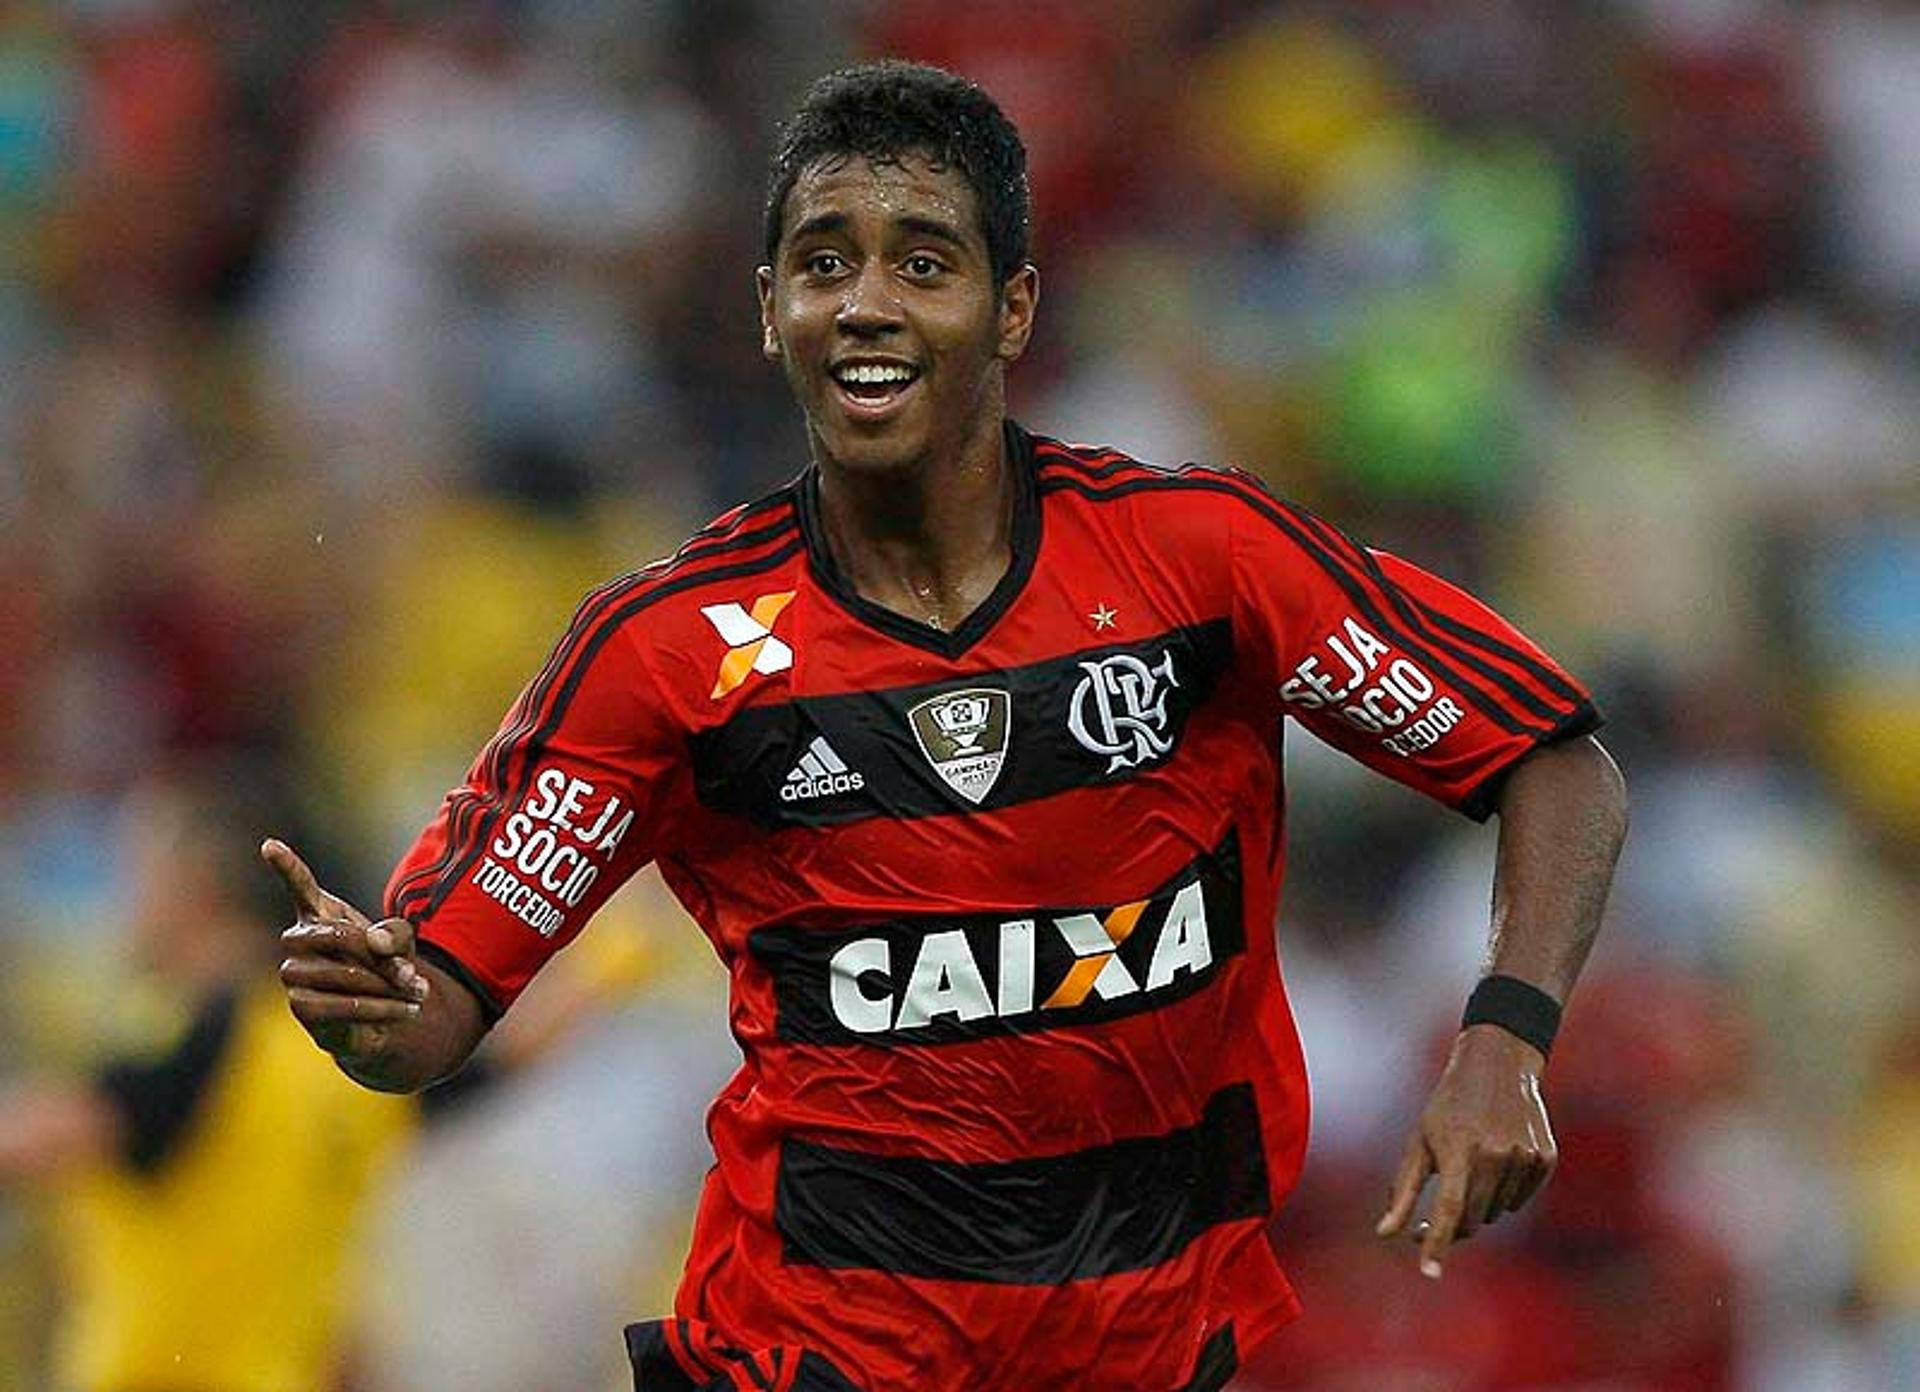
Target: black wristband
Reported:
[(1524, 1011)]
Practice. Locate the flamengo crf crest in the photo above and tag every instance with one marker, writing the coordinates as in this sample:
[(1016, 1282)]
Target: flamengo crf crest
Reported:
[(964, 736)]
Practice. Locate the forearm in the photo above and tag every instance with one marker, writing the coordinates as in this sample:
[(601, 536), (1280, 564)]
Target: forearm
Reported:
[(411, 1054), (1563, 818)]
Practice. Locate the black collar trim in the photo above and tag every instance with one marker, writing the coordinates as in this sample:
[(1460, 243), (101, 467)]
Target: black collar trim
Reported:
[(1026, 549)]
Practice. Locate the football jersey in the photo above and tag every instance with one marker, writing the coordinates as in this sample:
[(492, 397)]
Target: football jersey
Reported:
[(1021, 1090)]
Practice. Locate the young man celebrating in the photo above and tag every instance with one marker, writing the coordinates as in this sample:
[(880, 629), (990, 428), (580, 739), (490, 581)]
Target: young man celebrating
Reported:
[(963, 751)]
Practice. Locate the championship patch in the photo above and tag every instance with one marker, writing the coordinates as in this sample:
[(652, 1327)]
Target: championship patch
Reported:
[(964, 736)]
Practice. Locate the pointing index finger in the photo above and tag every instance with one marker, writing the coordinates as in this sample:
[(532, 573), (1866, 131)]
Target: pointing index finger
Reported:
[(308, 898)]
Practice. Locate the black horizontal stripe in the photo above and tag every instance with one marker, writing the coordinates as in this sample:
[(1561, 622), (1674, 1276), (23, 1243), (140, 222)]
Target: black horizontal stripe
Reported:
[(1119, 1207), (608, 624), (1342, 575), (989, 975), (742, 766), (816, 1374)]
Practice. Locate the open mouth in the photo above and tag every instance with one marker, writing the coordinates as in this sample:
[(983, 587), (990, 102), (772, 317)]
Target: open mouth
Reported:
[(873, 386)]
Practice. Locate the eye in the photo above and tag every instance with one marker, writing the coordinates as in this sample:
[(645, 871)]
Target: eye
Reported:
[(921, 266), (824, 263)]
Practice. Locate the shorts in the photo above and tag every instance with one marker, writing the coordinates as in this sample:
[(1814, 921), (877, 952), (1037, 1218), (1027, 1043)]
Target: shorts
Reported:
[(681, 1355)]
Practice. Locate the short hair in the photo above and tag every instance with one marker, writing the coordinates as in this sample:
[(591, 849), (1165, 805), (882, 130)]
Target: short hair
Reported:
[(883, 110)]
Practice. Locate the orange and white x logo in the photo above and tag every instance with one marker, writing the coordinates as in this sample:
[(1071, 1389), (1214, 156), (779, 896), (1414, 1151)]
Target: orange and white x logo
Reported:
[(1096, 943), (749, 637)]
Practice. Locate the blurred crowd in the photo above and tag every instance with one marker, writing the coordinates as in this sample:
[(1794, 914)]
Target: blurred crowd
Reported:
[(344, 343)]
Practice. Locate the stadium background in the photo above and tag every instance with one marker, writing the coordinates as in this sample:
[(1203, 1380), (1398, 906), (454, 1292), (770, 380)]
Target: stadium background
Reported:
[(343, 344)]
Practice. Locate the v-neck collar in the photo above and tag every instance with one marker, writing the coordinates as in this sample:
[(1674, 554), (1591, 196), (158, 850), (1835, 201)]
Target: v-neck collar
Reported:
[(1025, 544)]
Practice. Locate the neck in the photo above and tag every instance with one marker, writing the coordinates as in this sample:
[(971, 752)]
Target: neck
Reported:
[(931, 537)]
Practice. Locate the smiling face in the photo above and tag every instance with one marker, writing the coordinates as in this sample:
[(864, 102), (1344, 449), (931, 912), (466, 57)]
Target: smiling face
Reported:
[(882, 307)]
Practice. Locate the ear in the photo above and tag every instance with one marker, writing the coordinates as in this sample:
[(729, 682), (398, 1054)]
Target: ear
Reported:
[(769, 336), (1019, 298)]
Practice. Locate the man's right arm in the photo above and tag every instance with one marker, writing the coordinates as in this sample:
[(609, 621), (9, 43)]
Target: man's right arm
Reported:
[(391, 1020)]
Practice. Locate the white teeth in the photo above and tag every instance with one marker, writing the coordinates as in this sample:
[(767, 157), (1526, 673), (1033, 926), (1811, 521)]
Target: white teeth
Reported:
[(874, 374)]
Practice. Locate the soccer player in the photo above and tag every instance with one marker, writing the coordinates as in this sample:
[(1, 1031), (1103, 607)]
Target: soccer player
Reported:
[(964, 751)]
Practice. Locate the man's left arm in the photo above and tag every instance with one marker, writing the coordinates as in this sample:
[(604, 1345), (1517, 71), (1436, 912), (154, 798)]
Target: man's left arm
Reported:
[(1484, 1134)]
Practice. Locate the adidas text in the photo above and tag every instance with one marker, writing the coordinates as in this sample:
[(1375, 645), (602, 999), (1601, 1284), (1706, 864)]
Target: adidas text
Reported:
[(822, 785)]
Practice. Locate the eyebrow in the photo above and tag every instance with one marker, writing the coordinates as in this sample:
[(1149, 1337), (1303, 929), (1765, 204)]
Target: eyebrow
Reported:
[(824, 224), (933, 227), (820, 224)]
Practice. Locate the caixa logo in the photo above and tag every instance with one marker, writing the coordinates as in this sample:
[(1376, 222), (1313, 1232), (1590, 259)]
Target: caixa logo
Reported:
[(935, 980)]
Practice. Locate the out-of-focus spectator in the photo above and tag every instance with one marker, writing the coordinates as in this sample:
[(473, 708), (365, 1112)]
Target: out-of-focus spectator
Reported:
[(464, 270), (207, 1180), (1864, 69)]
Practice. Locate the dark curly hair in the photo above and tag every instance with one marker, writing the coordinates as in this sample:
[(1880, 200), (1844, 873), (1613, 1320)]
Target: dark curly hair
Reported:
[(881, 111)]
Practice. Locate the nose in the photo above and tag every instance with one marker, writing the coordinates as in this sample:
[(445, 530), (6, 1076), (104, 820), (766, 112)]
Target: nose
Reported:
[(869, 304)]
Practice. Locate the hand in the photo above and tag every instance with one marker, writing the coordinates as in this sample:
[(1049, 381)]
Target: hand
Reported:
[(348, 980), (1484, 1134)]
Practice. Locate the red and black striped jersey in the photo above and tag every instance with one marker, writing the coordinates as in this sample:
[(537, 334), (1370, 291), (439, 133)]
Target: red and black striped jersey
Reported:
[(1020, 1088)]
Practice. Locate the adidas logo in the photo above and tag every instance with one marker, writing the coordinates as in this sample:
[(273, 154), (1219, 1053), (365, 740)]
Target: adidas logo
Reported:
[(820, 773)]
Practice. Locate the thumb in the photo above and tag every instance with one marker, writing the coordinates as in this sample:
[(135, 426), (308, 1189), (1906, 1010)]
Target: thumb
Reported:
[(1414, 1164), (391, 937), (309, 899)]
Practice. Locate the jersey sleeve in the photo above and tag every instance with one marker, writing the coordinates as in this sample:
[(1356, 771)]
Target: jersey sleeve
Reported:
[(559, 809), (1399, 669)]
